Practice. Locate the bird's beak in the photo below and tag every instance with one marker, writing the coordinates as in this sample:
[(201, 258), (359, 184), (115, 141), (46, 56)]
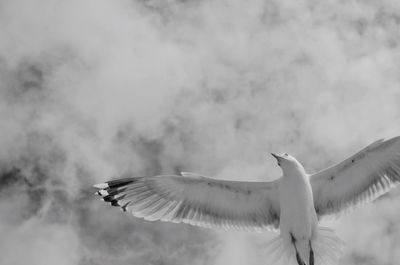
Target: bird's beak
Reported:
[(276, 156)]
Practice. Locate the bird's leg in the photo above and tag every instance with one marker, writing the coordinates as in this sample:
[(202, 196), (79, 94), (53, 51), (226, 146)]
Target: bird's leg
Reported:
[(311, 255), (298, 258)]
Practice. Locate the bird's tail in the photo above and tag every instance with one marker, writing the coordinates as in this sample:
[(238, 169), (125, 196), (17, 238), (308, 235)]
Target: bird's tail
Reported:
[(325, 249), (327, 246)]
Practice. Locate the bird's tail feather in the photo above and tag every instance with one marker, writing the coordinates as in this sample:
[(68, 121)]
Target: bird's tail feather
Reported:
[(326, 246)]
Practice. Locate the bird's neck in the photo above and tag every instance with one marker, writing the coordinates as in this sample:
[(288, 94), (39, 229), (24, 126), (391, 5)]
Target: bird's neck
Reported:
[(295, 172)]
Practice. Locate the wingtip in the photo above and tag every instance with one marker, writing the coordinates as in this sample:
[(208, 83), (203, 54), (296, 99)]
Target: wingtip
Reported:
[(101, 193), (101, 186)]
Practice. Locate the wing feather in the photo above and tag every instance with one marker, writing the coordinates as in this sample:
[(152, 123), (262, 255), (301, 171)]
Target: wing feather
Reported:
[(196, 200), (359, 179)]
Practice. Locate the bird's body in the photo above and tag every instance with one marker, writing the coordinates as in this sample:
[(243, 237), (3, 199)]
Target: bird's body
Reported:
[(293, 203), (298, 220)]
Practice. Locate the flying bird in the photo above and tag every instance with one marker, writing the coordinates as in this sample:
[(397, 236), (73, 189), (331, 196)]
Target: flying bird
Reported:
[(292, 204)]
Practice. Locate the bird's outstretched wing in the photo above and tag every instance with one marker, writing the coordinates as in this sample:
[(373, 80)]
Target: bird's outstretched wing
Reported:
[(197, 200), (359, 179)]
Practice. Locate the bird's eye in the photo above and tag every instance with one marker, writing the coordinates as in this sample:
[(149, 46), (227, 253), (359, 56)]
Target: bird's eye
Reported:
[(286, 154)]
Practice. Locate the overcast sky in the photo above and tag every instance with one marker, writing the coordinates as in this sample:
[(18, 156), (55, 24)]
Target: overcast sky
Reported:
[(92, 90)]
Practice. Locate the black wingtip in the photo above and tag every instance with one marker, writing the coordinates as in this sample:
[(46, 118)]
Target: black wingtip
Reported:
[(113, 191), (119, 183), (108, 198), (114, 183), (114, 203)]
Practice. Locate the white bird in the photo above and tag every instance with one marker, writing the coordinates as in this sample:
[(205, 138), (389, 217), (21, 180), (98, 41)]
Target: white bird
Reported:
[(294, 203)]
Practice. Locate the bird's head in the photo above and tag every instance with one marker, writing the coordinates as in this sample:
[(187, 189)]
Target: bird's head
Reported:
[(288, 163)]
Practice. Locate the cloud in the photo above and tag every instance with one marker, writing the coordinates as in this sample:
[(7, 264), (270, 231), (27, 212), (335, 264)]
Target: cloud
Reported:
[(98, 89)]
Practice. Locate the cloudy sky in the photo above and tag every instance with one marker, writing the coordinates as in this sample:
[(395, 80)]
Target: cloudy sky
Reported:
[(92, 90)]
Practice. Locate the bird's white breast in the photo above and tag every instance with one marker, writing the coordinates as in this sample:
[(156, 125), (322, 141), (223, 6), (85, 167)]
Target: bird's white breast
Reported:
[(297, 208)]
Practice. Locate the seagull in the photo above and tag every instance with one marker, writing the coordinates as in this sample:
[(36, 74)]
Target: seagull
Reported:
[(293, 204)]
